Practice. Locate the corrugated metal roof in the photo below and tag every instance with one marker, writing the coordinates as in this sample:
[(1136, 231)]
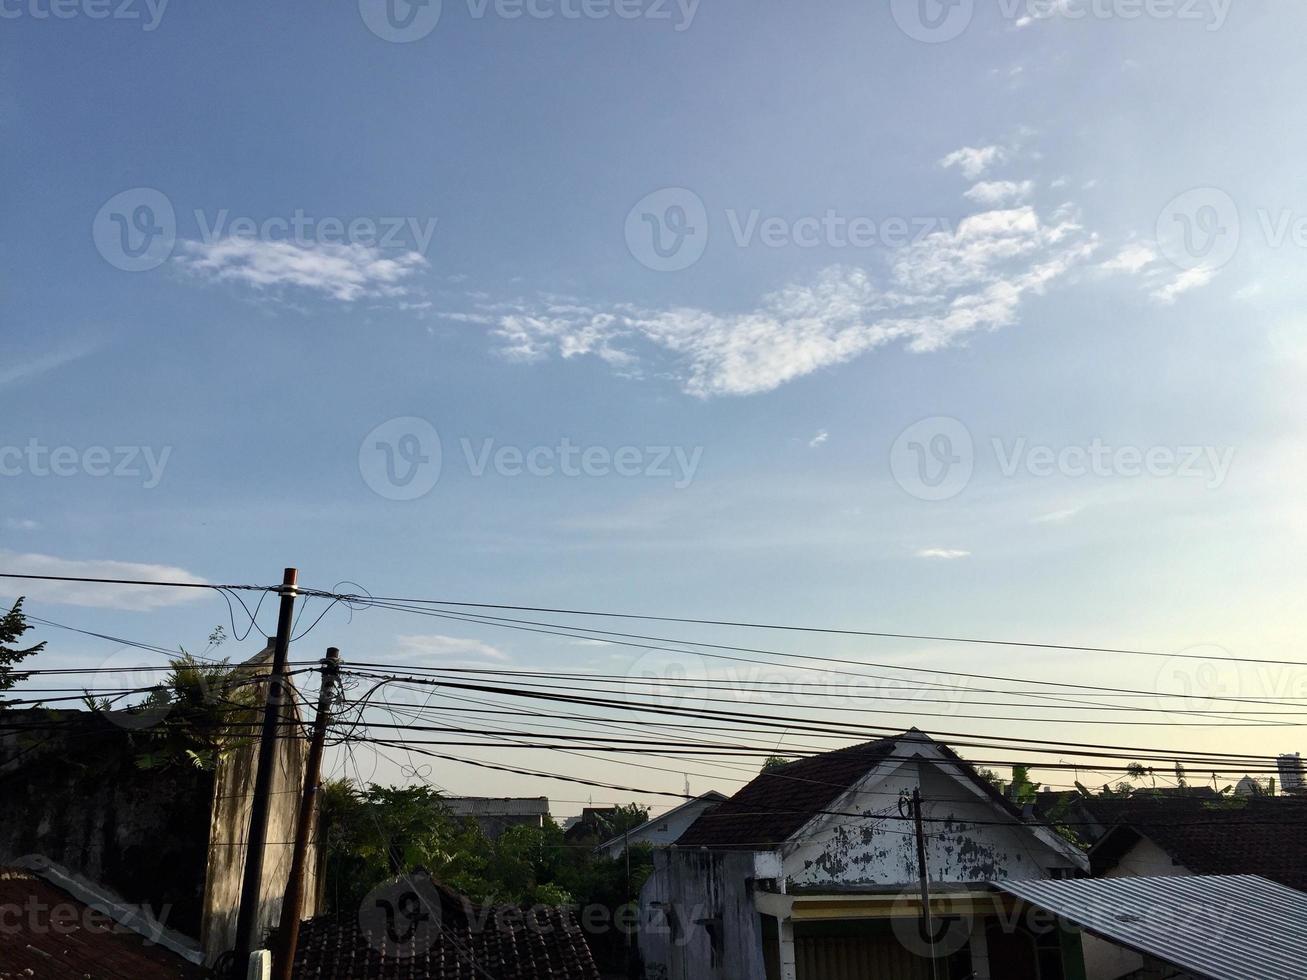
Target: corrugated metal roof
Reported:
[(1218, 926)]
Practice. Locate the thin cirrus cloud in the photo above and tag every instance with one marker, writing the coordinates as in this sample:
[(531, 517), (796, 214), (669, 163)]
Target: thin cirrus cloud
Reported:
[(943, 554), (930, 295), (96, 595), (1163, 282), (21, 524), (440, 647), (344, 272), (18, 371)]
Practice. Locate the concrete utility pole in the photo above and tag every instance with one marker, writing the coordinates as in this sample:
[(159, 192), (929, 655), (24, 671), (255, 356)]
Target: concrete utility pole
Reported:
[(292, 905), (257, 837)]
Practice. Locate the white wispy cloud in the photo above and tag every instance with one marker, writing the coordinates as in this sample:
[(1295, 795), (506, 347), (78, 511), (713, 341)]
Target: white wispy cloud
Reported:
[(1131, 259), (973, 161), (21, 524), (17, 371), (137, 598), (933, 293), (992, 193), (820, 439), (1162, 281), (943, 554), (440, 647), (345, 272), (1167, 292)]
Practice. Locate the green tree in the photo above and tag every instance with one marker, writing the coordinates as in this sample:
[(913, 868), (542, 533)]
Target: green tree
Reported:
[(205, 708), (774, 762), (13, 625), (1022, 790)]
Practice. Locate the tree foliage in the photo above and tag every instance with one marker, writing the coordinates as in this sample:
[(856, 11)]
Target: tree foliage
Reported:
[(13, 625), (375, 833)]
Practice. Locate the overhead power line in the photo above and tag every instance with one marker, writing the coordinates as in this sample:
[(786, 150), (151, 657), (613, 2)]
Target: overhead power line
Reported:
[(739, 624)]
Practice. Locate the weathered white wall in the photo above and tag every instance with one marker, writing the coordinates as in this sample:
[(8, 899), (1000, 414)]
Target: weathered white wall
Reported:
[(695, 888), (963, 844), (230, 820)]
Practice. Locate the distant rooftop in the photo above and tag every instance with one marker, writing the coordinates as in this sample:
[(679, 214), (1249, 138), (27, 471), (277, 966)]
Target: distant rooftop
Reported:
[(490, 806)]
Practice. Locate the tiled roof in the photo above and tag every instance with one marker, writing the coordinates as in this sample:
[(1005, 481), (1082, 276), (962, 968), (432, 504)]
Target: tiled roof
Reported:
[(1262, 836), (48, 934), (465, 942), (778, 803), (488, 806)]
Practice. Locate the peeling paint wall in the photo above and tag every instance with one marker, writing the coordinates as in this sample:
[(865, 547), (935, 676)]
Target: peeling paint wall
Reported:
[(844, 852), (698, 921)]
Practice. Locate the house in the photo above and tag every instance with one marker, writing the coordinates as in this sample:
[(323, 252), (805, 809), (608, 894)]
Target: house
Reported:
[(415, 928), (1186, 837), (810, 872), (1260, 835), (80, 792), (53, 927), (494, 816), (664, 829)]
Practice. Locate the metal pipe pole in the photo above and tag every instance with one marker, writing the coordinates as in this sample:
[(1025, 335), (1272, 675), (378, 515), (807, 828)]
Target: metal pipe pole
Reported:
[(292, 905), (257, 837)]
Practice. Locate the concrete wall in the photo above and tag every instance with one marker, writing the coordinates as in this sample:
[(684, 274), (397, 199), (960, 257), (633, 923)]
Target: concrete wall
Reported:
[(171, 838), (71, 792), (229, 823), (698, 921)]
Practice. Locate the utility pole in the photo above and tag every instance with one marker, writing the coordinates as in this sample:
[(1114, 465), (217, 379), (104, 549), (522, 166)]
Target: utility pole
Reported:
[(926, 916), (292, 905), (257, 837)]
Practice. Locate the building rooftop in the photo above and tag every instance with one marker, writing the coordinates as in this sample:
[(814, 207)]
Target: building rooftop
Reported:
[(1249, 836), (489, 806), (52, 935), (430, 932)]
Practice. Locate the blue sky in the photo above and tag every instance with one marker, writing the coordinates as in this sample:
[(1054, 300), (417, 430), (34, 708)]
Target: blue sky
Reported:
[(884, 241)]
